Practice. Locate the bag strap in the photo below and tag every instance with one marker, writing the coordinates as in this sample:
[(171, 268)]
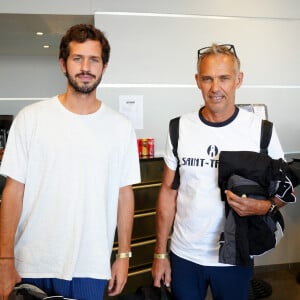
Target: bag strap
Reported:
[(265, 136), (174, 136)]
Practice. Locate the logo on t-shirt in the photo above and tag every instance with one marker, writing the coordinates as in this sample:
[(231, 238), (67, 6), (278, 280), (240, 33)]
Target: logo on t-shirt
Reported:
[(210, 161), (212, 151)]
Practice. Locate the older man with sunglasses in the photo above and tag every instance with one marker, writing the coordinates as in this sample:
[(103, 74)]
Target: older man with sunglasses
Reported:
[(195, 211)]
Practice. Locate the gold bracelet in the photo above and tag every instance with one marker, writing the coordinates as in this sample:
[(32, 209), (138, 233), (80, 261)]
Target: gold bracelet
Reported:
[(124, 254), (7, 257), (161, 255)]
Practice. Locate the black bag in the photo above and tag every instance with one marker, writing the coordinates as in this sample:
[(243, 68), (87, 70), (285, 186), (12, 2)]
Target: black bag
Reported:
[(149, 293), (25, 291)]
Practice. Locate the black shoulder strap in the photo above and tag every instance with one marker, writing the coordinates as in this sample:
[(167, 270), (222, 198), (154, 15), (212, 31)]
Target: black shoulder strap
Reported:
[(174, 136), (266, 134)]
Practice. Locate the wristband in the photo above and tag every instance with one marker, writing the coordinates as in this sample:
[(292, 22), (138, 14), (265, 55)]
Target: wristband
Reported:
[(161, 255), (124, 254), (273, 208)]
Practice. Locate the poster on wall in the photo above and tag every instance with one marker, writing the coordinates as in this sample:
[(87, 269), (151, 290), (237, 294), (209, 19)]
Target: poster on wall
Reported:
[(132, 107)]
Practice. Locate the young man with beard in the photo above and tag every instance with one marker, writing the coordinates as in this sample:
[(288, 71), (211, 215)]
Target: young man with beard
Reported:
[(70, 162), (195, 208)]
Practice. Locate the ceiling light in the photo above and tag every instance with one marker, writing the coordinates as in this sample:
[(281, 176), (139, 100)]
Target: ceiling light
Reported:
[(46, 46), (39, 33)]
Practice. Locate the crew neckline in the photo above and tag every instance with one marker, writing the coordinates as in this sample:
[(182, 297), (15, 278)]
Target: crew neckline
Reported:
[(91, 115), (218, 124)]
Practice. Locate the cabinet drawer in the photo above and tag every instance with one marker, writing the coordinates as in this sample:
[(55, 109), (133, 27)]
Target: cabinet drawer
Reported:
[(143, 226), (142, 253), (151, 170), (145, 196)]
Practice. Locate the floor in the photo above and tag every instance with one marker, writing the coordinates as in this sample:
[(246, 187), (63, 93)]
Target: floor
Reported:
[(284, 284), (282, 280)]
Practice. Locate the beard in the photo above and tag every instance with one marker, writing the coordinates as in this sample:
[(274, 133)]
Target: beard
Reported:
[(85, 88)]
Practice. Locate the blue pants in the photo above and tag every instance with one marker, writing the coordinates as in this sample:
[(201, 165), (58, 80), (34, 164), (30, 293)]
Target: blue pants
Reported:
[(77, 288), (190, 281)]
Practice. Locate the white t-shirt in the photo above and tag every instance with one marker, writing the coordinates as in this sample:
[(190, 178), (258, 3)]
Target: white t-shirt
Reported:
[(200, 213), (72, 167)]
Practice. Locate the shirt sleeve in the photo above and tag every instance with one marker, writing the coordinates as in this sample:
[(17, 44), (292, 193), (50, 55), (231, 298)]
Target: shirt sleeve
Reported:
[(275, 149), (169, 157), (131, 167)]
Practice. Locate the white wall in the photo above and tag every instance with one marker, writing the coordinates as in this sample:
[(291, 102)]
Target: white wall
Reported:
[(30, 76), (254, 8), (161, 50)]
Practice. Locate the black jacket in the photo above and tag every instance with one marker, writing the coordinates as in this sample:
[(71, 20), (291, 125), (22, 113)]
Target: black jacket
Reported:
[(261, 177)]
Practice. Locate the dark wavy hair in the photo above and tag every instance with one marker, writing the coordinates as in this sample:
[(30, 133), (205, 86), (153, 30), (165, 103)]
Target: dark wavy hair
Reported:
[(81, 33)]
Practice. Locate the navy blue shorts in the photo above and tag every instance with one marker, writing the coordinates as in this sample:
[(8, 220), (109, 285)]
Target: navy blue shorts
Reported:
[(191, 281), (77, 288)]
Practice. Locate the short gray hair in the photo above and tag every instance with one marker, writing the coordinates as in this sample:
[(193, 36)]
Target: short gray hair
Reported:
[(215, 49)]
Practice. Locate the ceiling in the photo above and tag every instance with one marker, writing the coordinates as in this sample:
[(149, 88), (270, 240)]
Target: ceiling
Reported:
[(18, 32)]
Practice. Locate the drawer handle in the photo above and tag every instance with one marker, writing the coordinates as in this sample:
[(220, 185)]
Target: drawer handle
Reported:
[(139, 272), (147, 214), (144, 186), (144, 243)]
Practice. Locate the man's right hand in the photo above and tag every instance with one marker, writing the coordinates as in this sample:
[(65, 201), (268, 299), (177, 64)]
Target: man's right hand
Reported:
[(161, 270), (9, 277)]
